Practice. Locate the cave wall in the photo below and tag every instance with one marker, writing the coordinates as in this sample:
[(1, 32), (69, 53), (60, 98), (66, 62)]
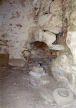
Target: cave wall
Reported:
[(71, 40), (20, 18), (26, 21), (64, 66), (71, 32)]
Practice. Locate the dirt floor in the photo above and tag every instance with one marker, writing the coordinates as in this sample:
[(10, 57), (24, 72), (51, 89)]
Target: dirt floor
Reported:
[(17, 92)]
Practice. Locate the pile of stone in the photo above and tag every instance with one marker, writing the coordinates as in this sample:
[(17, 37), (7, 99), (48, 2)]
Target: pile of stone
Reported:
[(38, 76)]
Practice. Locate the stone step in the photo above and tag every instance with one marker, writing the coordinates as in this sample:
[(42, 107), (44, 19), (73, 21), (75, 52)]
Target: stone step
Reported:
[(17, 62)]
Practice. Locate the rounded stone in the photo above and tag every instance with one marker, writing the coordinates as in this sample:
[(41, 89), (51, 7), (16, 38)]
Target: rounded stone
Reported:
[(63, 96)]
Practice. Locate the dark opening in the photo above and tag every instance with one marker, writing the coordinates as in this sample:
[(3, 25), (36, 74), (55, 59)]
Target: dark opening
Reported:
[(39, 45)]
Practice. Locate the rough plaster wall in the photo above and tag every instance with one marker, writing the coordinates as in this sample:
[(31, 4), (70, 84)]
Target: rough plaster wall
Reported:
[(15, 20), (17, 17)]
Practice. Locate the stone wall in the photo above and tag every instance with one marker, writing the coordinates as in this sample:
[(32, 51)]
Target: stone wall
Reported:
[(15, 20), (18, 18)]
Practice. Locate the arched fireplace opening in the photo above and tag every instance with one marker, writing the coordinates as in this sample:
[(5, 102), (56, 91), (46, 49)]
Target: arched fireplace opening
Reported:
[(39, 45)]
